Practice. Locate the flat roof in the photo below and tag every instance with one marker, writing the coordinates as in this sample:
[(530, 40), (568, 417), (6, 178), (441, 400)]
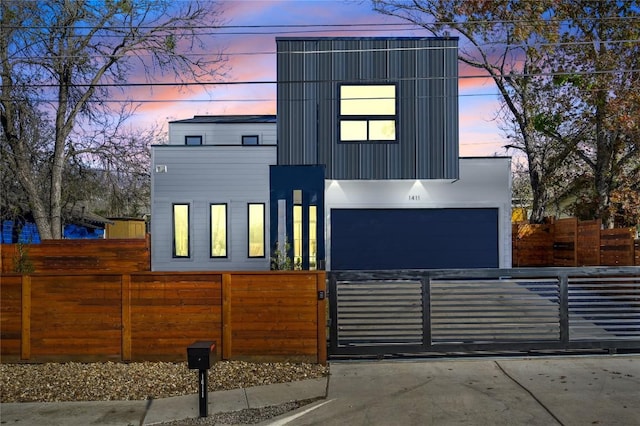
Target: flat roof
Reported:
[(382, 38), (228, 119)]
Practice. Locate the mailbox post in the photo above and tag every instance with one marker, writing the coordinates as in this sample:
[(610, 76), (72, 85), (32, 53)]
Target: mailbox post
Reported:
[(201, 356)]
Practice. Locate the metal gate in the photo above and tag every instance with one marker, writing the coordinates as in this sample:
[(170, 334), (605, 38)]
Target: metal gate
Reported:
[(411, 312)]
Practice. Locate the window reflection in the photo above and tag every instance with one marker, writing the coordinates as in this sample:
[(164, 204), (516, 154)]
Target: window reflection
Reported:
[(297, 237), (181, 230), (313, 237), (218, 230), (256, 230), (367, 113)]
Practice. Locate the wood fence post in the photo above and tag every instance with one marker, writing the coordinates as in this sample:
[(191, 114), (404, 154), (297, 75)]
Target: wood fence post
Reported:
[(321, 286), (126, 317), (226, 316), (25, 341)]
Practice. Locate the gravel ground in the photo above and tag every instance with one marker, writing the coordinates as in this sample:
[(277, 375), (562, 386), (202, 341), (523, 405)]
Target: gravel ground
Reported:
[(242, 417), (134, 381)]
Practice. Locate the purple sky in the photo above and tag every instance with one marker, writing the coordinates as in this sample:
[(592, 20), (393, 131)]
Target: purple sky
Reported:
[(479, 135)]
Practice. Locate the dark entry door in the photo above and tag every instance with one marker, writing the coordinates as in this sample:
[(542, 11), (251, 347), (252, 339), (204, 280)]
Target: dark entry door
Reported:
[(414, 238)]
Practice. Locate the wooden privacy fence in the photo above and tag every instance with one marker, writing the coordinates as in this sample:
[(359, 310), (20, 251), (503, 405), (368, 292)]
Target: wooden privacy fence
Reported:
[(116, 255), (149, 316), (569, 242)]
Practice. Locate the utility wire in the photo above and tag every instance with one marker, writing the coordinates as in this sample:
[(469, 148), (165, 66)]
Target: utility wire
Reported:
[(340, 26), (260, 82), (269, 100), (26, 58), (273, 52)]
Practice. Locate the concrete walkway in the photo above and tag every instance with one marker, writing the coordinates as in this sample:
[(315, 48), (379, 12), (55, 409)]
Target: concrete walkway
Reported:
[(576, 390)]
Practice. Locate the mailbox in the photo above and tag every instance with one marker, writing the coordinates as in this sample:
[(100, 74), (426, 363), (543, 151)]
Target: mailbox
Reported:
[(201, 354)]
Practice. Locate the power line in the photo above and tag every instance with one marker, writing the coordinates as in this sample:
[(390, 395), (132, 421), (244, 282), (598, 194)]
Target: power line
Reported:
[(330, 51), (243, 100), (260, 82), (413, 25)]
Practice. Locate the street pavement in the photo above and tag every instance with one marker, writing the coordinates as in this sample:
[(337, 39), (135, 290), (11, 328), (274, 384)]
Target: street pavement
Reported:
[(558, 390)]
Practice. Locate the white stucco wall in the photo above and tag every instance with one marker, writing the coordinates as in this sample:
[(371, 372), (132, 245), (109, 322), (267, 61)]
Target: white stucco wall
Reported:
[(483, 183)]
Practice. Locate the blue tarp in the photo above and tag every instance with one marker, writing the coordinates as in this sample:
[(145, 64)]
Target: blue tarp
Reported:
[(80, 232)]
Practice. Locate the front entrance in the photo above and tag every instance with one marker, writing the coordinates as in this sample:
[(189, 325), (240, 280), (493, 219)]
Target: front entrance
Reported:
[(297, 215)]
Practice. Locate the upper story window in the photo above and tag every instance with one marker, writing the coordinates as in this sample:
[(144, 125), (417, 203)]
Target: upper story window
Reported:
[(193, 140), (368, 113), (250, 140)]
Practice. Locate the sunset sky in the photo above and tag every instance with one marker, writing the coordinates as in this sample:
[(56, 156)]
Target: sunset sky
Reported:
[(251, 57)]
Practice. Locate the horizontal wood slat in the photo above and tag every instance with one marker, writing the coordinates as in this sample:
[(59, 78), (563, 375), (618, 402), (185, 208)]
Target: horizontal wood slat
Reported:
[(275, 315), (76, 314), (532, 245), (569, 242), (617, 247), (117, 255), (149, 316), (171, 312), (10, 316)]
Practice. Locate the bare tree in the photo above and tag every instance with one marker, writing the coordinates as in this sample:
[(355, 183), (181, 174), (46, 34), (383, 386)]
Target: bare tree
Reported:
[(554, 64), (66, 58)]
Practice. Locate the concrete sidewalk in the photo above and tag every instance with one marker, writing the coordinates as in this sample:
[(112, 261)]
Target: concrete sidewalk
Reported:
[(134, 413), (566, 390)]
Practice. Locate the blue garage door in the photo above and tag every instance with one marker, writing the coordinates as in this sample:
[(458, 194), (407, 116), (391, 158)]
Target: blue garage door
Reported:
[(414, 238)]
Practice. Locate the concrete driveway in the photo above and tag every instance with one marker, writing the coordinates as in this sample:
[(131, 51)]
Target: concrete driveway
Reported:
[(534, 391)]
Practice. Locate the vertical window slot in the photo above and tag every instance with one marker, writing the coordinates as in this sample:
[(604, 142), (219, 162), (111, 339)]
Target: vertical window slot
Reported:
[(256, 229), (181, 230), (218, 230)]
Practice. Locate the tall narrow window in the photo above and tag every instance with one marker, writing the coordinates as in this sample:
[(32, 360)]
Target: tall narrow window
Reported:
[(256, 230), (181, 230), (313, 237), (367, 113), (218, 230), (297, 237), (297, 229)]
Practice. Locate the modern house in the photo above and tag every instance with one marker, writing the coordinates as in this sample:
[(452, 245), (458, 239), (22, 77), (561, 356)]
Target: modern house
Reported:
[(360, 170)]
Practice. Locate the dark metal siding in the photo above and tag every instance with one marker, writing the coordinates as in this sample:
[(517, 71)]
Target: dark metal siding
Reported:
[(425, 71)]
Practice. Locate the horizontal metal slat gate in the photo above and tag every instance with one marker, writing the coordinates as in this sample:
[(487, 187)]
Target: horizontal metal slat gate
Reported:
[(404, 312)]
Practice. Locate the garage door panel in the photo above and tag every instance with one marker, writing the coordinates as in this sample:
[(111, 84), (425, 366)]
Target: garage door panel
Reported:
[(413, 238)]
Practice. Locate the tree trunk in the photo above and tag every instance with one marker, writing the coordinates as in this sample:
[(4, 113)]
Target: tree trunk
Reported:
[(539, 195), (603, 164)]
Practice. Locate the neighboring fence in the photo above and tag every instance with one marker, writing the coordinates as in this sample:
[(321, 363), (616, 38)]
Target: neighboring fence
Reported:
[(569, 242), (260, 316), (466, 310), (116, 255)]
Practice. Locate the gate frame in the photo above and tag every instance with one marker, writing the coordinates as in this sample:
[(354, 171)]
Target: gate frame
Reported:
[(425, 277)]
